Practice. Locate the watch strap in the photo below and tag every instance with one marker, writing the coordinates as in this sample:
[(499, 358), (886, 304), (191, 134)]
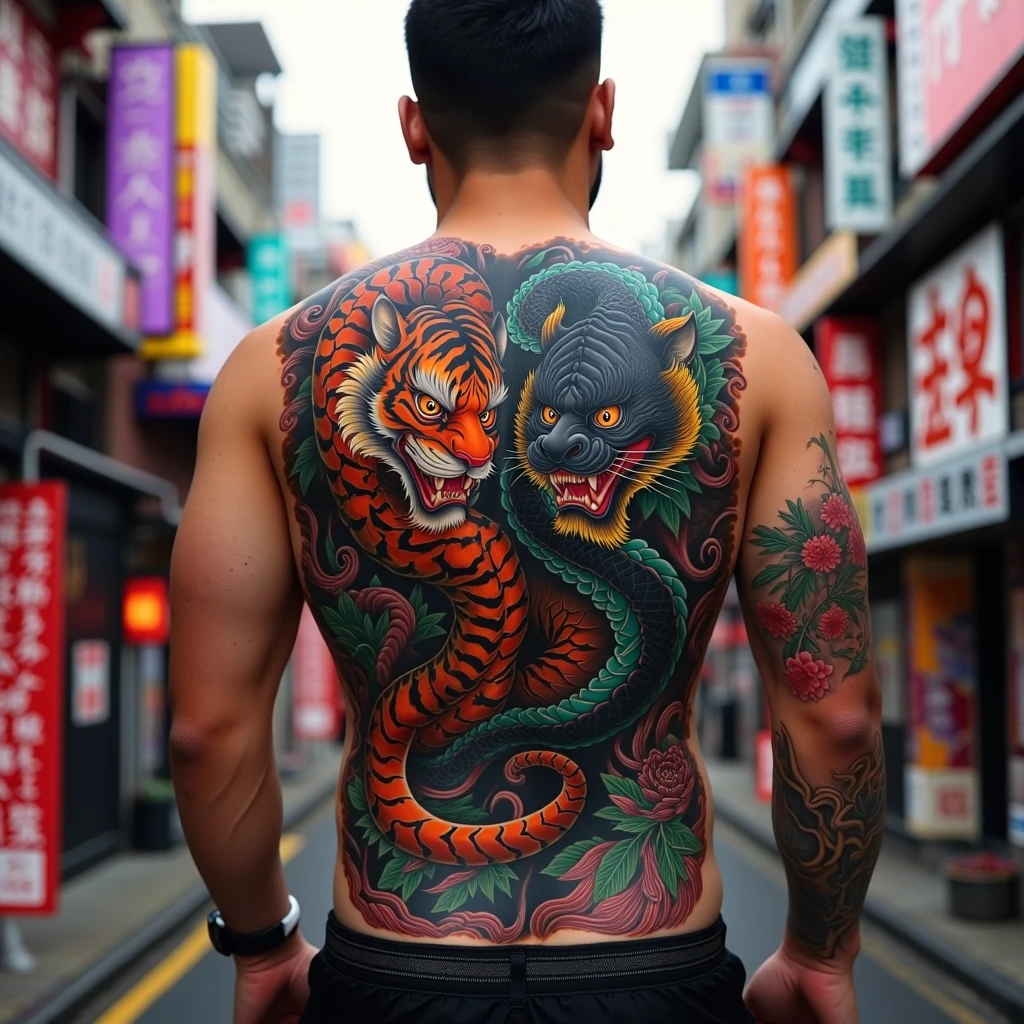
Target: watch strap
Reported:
[(232, 943)]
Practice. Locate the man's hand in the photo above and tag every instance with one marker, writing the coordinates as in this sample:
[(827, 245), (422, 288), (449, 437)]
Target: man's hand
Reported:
[(787, 990), (274, 988)]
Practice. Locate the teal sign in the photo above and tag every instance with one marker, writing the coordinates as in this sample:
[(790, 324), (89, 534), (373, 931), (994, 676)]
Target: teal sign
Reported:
[(270, 273), (723, 280)]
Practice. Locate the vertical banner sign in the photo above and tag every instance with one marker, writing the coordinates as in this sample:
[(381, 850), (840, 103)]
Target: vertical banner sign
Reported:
[(32, 528), (956, 324), (28, 87), (951, 54), (849, 353), (140, 178), (194, 219), (858, 183), (314, 684), (1016, 708), (942, 774), (767, 241), (738, 123), (269, 273)]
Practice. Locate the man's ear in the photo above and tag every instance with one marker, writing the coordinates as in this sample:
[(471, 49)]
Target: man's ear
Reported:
[(602, 109), (387, 324), (414, 130)]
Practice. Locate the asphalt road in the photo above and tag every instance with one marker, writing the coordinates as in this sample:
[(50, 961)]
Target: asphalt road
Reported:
[(184, 982)]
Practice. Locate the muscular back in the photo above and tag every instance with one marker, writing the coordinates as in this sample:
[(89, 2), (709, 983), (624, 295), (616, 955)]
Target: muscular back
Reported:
[(515, 482)]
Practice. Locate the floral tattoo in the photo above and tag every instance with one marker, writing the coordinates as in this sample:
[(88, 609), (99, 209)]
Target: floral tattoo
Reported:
[(815, 584)]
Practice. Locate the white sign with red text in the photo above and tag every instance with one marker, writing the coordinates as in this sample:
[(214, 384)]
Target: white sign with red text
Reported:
[(956, 332), (90, 682)]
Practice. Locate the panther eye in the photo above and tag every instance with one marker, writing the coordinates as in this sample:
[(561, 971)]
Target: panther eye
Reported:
[(549, 415), (609, 416), (427, 406), (487, 418)]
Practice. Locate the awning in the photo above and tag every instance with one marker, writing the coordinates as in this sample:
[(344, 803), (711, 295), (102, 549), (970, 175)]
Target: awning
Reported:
[(67, 289)]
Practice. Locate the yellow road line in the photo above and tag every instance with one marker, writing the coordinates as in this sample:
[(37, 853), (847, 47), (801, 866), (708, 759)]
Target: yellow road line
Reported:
[(134, 1003)]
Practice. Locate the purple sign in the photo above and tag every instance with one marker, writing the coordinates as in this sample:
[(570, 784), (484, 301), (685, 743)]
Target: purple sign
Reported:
[(140, 173)]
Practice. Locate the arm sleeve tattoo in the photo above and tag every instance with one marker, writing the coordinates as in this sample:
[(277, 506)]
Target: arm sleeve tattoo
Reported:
[(829, 837)]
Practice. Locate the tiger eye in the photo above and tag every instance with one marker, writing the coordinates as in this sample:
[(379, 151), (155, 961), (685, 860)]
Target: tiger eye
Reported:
[(428, 406), (549, 415), (609, 416)]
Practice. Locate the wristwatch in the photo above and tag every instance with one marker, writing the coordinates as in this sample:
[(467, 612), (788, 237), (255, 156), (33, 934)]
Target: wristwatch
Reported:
[(230, 943)]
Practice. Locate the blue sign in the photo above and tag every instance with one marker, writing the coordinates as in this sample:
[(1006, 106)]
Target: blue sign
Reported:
[(723, 280), (270, 276), (739, 82), (170, 399)]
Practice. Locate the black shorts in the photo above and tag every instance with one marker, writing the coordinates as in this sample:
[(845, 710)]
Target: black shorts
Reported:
[(357, 979)]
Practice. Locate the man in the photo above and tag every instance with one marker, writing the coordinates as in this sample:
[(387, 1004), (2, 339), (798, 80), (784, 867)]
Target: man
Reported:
[(512, 470)]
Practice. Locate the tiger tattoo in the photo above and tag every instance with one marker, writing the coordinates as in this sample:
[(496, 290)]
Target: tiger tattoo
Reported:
[(526, 634)]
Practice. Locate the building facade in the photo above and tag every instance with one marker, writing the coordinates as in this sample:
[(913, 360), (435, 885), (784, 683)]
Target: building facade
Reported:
[(881, 214)]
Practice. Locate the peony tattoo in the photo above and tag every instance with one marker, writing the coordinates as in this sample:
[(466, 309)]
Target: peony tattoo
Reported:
[(814, 585)]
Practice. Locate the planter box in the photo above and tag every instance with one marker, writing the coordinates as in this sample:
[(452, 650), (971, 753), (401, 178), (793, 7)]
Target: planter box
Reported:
[(983, 900)]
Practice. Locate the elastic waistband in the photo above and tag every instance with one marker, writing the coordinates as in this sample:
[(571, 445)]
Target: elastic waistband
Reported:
[(492, 969)]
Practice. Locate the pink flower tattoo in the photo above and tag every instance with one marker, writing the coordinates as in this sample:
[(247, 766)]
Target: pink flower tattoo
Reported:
[(806, 677), (776, 620), (822, 554), (837, 514), (833, 623), (667, 779)]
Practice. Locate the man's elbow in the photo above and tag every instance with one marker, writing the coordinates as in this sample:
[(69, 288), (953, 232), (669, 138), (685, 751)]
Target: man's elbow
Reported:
[(853, 723)]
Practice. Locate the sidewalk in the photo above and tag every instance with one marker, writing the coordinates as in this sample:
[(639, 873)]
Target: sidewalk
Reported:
[(906, 898), (113, 913)]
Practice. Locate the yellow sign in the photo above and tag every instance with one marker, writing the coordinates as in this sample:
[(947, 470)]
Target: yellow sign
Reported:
[(195, 201)]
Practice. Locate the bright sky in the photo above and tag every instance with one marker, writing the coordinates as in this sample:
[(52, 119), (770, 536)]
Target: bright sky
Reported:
[(345, 67)]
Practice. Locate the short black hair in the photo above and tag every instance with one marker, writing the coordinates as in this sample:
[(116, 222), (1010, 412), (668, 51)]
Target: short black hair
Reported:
[(518, 71)]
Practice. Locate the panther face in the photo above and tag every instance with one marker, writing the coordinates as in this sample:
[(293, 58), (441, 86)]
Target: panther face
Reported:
[(605, 412), (424, 403)]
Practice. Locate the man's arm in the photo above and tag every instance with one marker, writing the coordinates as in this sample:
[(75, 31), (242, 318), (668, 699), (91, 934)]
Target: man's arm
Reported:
[(235, 603), (802, 578)]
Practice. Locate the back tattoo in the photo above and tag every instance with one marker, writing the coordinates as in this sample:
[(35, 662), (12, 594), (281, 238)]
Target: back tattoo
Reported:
[(516, 482)]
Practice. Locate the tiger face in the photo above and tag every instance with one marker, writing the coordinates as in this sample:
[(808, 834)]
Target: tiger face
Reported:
[(424, 403)]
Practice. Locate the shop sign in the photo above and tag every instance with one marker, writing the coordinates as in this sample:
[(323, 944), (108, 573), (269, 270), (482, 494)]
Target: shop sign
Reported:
[(956, 324), (90, 682), (297, 189), (140, 172), (270, 277), (39, 231), (314, 684), (170, 399), (830, 269), (951, 54), (858, 186), (1016, 725), (738, 123), (195, 204), (28, 87), (942, 774), (32, 530), (848, 351), (724, 280), (920, 504), (767, 240)]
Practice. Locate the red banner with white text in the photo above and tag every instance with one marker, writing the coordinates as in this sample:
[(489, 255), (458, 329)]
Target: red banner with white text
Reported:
[(32, 529)]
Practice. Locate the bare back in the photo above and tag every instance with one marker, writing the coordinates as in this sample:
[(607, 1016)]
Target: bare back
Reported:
[(517, 488)]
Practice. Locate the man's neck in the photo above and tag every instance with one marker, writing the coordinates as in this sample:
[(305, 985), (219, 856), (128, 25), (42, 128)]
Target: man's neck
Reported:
[(515, 209)]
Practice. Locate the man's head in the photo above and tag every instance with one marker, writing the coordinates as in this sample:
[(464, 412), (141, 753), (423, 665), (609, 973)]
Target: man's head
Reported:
[(506, 84)]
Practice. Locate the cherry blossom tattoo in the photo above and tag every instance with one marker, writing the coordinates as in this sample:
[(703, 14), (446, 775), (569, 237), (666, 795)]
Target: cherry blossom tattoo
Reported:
[(814, 585)]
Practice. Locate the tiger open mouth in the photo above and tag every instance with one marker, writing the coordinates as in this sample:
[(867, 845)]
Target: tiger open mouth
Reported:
[(594, 494), (435, 492)]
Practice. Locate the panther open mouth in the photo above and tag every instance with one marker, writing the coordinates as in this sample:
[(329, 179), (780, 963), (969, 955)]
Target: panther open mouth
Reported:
[(594, 494), (435, 492)]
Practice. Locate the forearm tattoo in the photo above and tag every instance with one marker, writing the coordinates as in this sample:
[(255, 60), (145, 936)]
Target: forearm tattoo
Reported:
[(516, 481), (813, 585), (829, 837)]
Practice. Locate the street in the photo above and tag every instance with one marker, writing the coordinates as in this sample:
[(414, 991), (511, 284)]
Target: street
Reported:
[(184, 980)]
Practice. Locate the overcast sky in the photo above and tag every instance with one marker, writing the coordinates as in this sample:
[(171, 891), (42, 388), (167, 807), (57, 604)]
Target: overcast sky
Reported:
[(345, 67)]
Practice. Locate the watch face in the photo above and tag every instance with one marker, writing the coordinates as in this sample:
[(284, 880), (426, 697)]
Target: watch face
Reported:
[(215, 929)]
